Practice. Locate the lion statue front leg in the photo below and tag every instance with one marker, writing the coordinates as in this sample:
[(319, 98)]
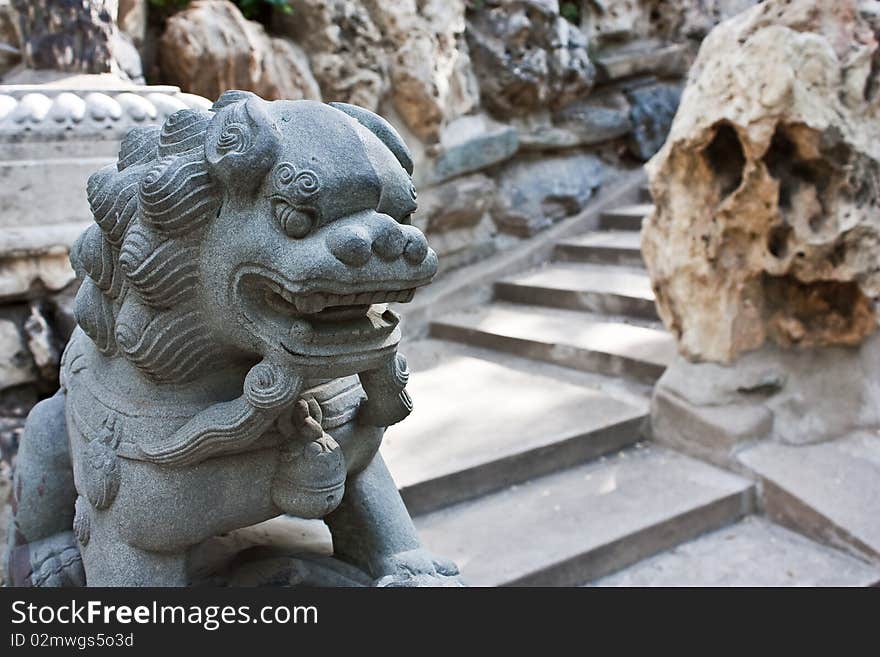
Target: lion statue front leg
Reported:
[(372, 529)]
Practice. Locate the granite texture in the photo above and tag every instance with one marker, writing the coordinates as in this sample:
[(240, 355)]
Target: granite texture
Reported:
[(234, 360)]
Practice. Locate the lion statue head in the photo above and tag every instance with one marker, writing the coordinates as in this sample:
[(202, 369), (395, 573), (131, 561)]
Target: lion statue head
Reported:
[(255, 230)]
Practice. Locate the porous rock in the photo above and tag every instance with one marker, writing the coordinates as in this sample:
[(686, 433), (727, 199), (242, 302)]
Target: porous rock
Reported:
[(363, 51), (458, 203), (210, 47), (10, 48), (75, 37), (652, 108), (767, 225), (610, 21), (535, 192), (344, 46), (526, 56), (471, 143)]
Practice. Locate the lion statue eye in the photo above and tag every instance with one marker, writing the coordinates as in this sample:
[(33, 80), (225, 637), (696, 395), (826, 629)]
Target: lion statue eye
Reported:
[(294, 222)]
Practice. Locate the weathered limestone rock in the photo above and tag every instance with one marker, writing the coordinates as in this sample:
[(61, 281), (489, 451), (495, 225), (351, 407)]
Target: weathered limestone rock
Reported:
[(344, 46), (652, 108), (10, 43), (472, 143), (235, 359), (642, 57), (458, 247), (767, 225), (764, 251), (526, 56), (76, 37), (430, 71), (609, 21), (584, 122), (210, 47), (16, 364), (535, 192), (455, 215), (459, 203), (413, 53), (132, 19)]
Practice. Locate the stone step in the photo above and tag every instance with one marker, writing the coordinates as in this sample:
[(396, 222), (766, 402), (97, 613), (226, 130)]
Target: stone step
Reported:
[(628, 217), (594, 288), (582, 523), (569, 338), (829, 491), (480, 425), (645, 194), (753, 552), (603, 247)]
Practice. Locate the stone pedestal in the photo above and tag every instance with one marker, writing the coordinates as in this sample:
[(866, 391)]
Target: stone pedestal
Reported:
[(795, 397)]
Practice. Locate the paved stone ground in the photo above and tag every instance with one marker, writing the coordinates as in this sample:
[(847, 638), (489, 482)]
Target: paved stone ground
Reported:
[(753, 552)]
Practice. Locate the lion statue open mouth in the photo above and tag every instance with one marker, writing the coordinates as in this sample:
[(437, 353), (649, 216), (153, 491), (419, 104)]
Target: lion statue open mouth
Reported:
[(235, 357)]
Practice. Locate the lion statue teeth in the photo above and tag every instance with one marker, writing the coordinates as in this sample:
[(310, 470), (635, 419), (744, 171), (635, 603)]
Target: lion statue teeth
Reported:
[(234, 359)]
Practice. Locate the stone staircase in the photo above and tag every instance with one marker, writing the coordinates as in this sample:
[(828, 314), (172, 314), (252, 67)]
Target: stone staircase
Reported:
[(525, 462)]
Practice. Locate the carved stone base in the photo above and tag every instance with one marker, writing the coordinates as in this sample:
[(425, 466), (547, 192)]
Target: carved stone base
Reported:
[(791, 396)]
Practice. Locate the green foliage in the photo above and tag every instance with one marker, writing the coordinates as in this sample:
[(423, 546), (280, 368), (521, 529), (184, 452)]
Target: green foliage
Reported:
[(249, 8), (570, 11)]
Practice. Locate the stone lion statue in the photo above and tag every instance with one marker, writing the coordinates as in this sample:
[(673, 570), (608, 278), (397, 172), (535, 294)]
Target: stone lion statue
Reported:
[(234, 359)]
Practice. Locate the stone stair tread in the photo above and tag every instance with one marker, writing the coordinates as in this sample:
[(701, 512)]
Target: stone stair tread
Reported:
[(636, 210), (568, 329), (493, 423), (752, 552), (576, 525), (831, 490), (613, 239), (578, 277)]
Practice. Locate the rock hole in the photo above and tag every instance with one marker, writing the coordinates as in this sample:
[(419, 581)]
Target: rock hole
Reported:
[(817, 222), (838, 255), (818, 312), (791, 171), (725, 156), (777, 158), (777, 240), (764, 389), (873, 80)]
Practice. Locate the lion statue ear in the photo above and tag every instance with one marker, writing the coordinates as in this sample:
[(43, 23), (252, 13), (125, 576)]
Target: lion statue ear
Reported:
[(241, 142), (382, 129)]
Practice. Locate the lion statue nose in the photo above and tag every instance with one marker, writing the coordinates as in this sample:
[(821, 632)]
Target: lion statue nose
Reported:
[(387, 240)]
